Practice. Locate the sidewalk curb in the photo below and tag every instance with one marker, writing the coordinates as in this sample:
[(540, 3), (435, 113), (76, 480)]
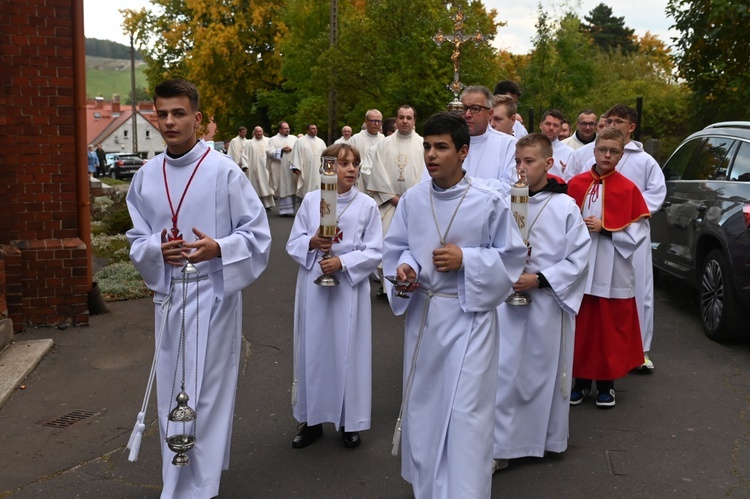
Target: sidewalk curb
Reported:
[(17, 362)]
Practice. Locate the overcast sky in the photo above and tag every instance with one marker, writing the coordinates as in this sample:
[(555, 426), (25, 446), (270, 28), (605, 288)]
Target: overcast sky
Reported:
[(103, 21)]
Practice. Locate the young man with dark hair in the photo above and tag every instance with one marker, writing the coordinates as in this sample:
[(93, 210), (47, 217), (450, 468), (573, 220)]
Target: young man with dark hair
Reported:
[(551, 126), (447, 236), (507, 87), (237, 145), (192, 204)]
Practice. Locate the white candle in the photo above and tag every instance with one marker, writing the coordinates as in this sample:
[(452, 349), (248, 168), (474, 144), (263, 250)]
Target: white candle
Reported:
[(328, 195), (519, 205)]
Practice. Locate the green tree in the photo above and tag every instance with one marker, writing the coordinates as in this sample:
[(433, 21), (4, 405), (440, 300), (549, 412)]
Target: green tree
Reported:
[(141, 95), (712, 55), (385, 57), (609, 32), (228, 48)]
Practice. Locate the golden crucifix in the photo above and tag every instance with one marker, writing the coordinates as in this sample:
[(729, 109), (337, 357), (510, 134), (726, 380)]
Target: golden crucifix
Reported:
[(457, 39)]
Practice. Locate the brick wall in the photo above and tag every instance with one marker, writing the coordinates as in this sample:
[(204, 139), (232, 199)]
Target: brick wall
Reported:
[(45, 269)]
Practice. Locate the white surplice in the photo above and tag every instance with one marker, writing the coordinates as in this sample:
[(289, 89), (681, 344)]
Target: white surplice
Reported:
[(236, 147), (254, 159), (221, 203), (363, 142), (537, 340), (306, 158), (397, 164), (332, 325), (492, 155), (562, 155), (448, 412), (283, 181), (643, 170)]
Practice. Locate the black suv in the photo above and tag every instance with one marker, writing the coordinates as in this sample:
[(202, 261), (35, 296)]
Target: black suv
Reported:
[(123, 165), (701, 234)]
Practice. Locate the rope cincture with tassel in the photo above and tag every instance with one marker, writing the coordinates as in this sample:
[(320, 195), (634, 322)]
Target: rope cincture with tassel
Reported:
[(136, 436)]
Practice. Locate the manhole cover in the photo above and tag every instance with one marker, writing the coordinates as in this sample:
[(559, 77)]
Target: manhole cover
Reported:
[(70, 419)]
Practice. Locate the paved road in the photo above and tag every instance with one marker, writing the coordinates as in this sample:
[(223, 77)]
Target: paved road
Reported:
[(683, 431)]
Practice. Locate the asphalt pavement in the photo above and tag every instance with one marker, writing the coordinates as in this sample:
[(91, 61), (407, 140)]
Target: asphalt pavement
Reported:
[(682, 431)]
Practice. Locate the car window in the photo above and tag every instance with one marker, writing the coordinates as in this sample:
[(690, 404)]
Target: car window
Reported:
[(677, 164), (712, 161), (741, 166)]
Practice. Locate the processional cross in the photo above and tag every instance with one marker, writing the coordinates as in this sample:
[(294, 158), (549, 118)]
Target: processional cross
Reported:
[(457, 39)]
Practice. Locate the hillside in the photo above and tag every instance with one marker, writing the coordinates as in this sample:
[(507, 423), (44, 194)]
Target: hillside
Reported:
[(105, 76)]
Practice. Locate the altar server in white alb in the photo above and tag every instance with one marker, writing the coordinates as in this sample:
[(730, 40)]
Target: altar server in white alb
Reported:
[(332, 325), (551, 126), (254, 166), (192, 203), (537, 340), (283, 180), (455, 240)]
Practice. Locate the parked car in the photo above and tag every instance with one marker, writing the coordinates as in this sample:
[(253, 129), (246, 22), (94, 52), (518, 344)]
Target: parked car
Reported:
[(123, 165), (702, 232)]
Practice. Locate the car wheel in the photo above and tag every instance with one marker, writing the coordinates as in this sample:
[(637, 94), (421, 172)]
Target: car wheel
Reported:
[(720, 312)]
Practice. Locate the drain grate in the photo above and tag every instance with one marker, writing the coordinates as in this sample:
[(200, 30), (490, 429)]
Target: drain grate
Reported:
[(70, 419)]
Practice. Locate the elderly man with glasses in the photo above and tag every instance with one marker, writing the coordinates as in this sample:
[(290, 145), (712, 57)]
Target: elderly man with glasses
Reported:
[(491, 154), (365, 140)]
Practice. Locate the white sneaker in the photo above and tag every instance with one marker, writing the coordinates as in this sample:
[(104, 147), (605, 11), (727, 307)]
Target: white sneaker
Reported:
[(499, 464), (647, 364)]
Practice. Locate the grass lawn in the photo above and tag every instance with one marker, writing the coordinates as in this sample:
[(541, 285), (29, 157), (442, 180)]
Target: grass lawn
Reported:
[(106, 82)]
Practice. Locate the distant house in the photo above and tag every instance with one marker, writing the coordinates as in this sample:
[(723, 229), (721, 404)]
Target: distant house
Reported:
[(111, 124)]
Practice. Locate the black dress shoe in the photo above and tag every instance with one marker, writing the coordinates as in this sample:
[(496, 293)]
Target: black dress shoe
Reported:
[(307, 435), (381, 293), (350, 439)]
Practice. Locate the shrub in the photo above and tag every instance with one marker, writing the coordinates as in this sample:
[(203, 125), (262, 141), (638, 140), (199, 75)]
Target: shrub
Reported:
[(121, 281)]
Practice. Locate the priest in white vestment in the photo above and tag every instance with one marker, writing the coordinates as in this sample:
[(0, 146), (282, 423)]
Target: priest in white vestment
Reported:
[(535, 370), (455, 241), (283, 180), (305, 162), (191, 203), (237, 145), (397, 164), (585, 130), (332, 325), (365, 140), (346, 135), (551, 126), (254, 166), (491, 154)]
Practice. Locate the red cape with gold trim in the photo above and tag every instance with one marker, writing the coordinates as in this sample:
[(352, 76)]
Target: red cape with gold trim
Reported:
[(622, 203)]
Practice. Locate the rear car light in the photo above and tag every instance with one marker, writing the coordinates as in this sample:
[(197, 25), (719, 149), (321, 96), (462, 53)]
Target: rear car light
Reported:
[(120, 162), (746, 213)]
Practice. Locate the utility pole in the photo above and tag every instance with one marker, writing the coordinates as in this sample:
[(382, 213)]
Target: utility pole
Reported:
[(333, 41), (132, 96)]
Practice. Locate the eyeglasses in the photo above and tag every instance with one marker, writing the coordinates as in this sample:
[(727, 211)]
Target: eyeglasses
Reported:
[(612, 152), (474, 109), (616, 122), (587, 124), (375, 122)]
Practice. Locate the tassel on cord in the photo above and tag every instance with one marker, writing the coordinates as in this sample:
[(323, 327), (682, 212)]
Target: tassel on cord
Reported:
[(396, 438), (134, 444), (136, 436)]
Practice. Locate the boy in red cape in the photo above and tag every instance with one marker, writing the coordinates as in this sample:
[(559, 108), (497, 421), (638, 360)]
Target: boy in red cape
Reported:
[(608, 335)]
